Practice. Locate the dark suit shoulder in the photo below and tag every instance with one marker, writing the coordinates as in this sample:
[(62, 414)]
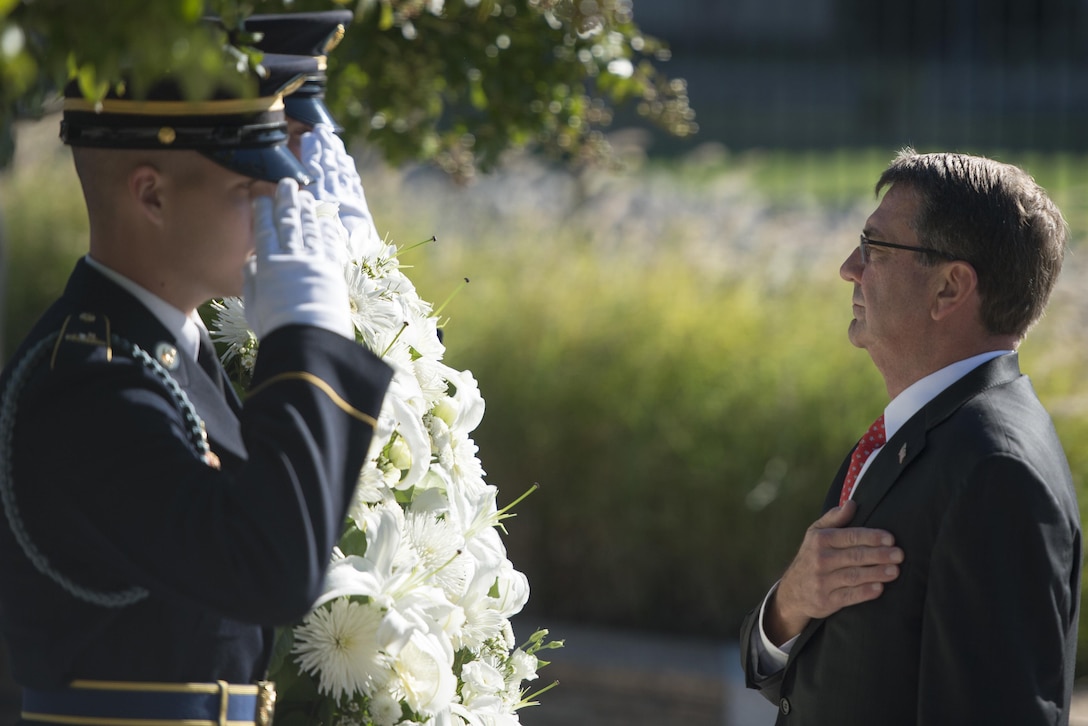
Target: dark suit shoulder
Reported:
[(1008, 418)]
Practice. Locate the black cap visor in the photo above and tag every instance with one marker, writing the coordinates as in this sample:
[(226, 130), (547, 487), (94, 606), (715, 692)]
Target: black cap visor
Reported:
[(253, 145), (269, 163)]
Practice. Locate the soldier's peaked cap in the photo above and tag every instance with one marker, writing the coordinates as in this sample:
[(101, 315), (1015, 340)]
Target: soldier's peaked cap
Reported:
[(308, 34), (247, 135)]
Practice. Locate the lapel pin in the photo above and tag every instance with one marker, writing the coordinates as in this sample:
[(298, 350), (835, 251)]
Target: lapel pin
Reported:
[(903, 454), (167, 355)]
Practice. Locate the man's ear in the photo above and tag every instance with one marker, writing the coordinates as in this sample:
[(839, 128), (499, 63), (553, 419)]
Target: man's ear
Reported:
[(145, 186), (957, 285)]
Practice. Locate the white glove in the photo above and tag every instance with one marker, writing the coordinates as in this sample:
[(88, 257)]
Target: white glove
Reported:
[(336, 180), (294, 277)]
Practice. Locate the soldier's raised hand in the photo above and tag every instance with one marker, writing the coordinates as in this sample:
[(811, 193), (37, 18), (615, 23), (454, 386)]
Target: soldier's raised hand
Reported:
[(294, 278)]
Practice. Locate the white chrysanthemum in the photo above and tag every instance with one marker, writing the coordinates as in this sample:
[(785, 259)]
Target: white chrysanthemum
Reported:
[(482, 621), (376, 316), (230, 327), (455, 452), (429, 373), (372, 487), (397, 353), (338, 644), (436, 546), (420, 342), (385, 709)]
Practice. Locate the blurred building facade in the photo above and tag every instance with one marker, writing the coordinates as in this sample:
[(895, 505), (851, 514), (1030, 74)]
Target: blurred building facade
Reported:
[(832, 73)]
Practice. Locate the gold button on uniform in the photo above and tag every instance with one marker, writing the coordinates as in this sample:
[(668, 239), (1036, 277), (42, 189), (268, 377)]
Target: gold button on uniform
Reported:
[(167, 355)]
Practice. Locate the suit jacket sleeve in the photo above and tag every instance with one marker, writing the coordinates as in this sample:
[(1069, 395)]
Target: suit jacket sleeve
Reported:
[(768, 686)]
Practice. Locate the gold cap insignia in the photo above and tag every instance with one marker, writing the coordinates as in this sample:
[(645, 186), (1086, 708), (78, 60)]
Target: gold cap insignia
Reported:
[(336, 37), (167, 135)]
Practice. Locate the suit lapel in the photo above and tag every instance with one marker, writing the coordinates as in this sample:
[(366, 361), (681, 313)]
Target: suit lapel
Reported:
[(887, 465), (910, 440)]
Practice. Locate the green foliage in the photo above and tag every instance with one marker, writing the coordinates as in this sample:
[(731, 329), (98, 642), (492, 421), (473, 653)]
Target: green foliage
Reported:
[(462, 86), (672, 422), (44, 44), (834, 177), (45, 232), (457, 83), (683, 423), (683, 418)]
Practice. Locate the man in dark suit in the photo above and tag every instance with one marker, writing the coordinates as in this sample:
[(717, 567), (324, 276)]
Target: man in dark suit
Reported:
[(155, 527), (942, 583)]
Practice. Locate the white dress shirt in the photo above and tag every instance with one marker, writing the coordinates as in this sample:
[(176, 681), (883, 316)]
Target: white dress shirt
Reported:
[(772, 658), (184, 328)]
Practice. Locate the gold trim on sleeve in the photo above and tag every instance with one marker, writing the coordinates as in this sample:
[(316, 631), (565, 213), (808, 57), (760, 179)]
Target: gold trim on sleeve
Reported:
[(234, 689), (325, 388)]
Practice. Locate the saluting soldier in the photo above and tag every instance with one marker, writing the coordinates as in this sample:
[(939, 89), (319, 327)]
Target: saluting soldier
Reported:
[(312, 129), (156, 527), (312, 34)]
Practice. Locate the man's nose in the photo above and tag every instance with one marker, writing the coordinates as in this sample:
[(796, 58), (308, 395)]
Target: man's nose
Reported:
[(850, 270)]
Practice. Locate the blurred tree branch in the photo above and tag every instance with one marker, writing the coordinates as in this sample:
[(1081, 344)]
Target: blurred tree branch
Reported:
[(453, 82)]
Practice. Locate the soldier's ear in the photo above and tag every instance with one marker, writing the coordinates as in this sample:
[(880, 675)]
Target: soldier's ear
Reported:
[(145, 186)]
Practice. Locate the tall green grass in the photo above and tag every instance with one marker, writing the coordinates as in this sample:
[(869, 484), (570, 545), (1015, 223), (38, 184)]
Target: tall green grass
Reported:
[(665, 354)]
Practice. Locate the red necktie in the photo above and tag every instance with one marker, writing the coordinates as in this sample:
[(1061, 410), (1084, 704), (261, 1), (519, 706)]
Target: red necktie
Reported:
[(872, 440)]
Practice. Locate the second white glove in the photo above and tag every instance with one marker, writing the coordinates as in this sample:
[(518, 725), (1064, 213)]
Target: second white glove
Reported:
[(294, 277), (337, 180)]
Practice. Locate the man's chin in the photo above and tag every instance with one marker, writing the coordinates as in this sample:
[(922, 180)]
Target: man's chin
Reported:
[(854, 333)]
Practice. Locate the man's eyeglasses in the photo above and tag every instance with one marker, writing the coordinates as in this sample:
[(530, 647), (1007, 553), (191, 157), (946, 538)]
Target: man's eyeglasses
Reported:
[(866, 243)]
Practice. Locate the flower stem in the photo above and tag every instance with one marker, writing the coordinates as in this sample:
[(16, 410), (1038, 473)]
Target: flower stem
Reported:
[(502, 513), (402, 250), (530, 700), (395, 339), (446, 302)]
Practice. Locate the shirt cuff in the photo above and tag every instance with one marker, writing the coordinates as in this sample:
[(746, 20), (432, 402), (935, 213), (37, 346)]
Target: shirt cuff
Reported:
[(770, 657)]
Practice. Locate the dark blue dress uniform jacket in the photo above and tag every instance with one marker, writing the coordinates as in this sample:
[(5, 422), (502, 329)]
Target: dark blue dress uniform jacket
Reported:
[(111, 492), (980, 627)]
